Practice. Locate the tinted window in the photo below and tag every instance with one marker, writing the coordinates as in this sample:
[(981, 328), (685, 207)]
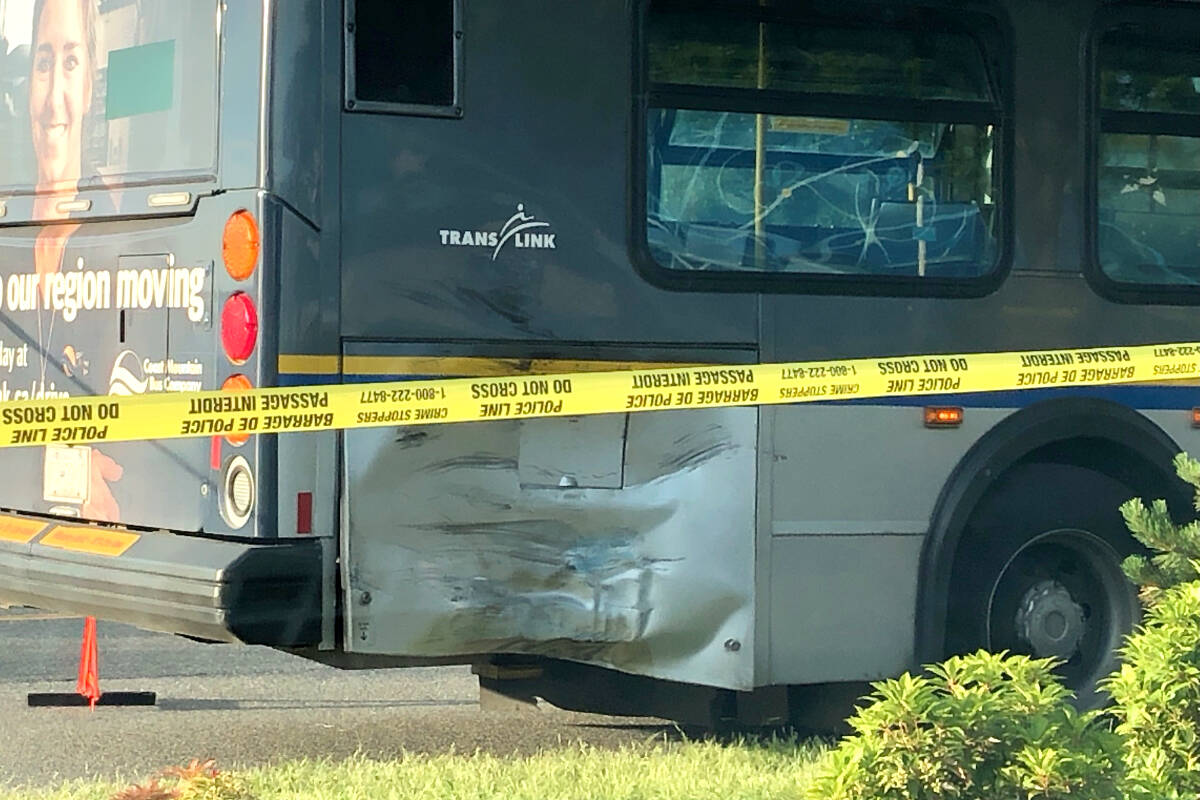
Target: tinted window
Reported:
[(1149, 165), (404, 52), (869, 184), (1141, 77), (721, 51)]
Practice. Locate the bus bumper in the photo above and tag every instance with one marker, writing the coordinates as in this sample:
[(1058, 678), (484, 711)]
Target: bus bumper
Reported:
[(256, 593)]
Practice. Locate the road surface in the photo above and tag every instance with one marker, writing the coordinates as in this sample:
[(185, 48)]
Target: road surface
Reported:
[(245, 706)]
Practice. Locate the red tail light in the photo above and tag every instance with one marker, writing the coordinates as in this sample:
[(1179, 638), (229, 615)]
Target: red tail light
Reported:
[(239, 327)]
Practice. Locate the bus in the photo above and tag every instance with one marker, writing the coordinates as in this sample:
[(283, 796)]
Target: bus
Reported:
[(227, 194)]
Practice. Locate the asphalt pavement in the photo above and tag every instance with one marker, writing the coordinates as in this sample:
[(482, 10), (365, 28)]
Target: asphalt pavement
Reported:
[(245, 706)]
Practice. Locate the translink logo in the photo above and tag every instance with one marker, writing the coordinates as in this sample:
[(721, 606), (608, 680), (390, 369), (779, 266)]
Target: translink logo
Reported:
[(519, 230)]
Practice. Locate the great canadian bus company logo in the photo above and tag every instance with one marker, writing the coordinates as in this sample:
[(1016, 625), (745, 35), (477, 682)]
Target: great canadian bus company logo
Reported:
[(523, 230)]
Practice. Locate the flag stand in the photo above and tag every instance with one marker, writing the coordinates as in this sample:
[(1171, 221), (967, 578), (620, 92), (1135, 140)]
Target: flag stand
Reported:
[(87, 686)]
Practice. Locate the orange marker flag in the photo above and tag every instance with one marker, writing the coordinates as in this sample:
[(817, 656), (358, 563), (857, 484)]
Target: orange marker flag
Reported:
[(88, 683)]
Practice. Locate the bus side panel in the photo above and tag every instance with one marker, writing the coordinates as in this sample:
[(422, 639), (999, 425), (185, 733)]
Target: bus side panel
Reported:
[(841, 607), (864, 469), (307, 463), (864, 473), (473, 538), (303, 106), (1178, 426), (544, 138), (853, 493)]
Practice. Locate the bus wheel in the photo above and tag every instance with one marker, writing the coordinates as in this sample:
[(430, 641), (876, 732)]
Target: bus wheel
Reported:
[(1038, 572)]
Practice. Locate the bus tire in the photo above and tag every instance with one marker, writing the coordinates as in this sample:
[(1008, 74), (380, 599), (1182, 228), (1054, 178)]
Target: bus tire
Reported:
[(1038, 572)]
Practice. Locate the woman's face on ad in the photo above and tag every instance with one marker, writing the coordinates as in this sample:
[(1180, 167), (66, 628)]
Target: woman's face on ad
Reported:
[(60, 91)]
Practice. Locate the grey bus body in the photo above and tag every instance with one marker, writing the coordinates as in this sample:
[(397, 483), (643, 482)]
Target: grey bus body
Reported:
[(637, 563)]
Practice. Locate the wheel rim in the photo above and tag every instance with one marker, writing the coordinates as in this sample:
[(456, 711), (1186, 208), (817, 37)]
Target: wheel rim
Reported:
[(1063, 595)]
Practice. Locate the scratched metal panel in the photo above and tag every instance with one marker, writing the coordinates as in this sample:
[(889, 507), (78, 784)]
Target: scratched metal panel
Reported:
[(458, 557), (584, 452)]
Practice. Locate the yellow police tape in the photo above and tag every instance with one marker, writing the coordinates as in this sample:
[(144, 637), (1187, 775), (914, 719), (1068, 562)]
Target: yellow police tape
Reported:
[(85, 420)]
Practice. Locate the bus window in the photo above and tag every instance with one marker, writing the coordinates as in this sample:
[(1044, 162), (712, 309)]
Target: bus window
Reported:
[(819, 147), (1149, 162), (403, 57), (135, 101)]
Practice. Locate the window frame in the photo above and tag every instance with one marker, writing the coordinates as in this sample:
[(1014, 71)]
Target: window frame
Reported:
[(352, 103), (1183, 24), (998, 60)]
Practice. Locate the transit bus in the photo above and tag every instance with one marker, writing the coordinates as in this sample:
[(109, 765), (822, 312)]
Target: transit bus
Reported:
[(226, 194)]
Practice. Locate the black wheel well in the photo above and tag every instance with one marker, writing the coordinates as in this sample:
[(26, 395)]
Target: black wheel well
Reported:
[(1146, 478), (1092, 433)]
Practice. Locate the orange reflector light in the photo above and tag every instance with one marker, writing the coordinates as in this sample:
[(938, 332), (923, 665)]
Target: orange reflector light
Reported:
[(943, 416), (1196, 417), (237, 383), (239, 327), (240, 245)]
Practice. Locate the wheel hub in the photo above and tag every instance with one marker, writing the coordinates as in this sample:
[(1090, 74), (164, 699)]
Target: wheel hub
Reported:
[(1050, 621)]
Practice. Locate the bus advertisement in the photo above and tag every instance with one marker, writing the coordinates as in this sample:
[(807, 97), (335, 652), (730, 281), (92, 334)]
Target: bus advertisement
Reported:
[(230, 195)]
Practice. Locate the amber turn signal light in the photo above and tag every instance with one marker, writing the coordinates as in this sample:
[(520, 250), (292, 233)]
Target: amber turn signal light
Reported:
[(1196, 417), (237, 383), (240, 245), (943, 416)]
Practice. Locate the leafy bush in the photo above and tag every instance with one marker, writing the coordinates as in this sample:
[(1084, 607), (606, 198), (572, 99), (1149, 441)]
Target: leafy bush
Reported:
[(1157, 689), (983, 727), (1157, 698), (1178, 546), (987, 727)]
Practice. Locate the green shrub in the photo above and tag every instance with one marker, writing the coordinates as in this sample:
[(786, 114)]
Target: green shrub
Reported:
[(979, 727), (1177, 559), (1156, 692), (996, 727), (1157, 698)]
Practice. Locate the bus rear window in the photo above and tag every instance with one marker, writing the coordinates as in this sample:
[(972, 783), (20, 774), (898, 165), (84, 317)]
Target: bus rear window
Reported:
[(1149, 162), (106, 94), (819, 147)]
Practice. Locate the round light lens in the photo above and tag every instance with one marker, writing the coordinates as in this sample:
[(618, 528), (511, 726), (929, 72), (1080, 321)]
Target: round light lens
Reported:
[(237, 383), (240, 245), (239, 327), (241, 492), (237, 492)]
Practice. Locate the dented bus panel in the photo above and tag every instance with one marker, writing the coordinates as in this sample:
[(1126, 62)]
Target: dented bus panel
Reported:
[(603, 539)]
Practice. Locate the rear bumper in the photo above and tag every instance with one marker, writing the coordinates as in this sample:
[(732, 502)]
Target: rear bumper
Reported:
[(260, 593)]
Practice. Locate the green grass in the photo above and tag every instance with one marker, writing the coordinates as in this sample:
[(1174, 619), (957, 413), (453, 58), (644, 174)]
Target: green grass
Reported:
[(654, 771)]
